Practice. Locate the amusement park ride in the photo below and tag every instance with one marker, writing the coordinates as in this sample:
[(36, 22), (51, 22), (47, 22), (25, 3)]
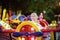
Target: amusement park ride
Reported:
[(26, 30)]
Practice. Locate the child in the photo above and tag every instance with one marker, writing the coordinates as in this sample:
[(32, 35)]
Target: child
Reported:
[(34, 18), (44, 24)]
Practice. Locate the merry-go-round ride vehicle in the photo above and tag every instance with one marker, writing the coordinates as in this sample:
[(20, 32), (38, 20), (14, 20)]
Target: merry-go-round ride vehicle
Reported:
[(27, 30)]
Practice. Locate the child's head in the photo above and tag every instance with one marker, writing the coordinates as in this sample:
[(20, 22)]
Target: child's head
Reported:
[(34, 16), (41, 16)]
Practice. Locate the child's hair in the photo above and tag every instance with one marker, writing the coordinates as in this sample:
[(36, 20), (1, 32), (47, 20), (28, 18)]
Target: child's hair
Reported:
[(34, 14)]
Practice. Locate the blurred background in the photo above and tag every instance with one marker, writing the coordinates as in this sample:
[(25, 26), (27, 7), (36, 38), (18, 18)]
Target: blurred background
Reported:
[(50, 8)]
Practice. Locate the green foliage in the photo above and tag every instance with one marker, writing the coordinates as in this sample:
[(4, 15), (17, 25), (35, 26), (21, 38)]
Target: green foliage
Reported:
[(37, 6), (49, 16), (41, 5)]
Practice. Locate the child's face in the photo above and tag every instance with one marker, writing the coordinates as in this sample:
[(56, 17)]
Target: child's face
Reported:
[(34, 17)]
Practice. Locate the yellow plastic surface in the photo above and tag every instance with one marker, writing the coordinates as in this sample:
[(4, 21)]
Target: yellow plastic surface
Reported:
[(28, 23), (4, 13)]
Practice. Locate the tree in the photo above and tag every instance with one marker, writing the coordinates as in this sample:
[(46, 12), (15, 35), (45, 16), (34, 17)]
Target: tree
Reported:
[(41, 5), (37, 6)]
